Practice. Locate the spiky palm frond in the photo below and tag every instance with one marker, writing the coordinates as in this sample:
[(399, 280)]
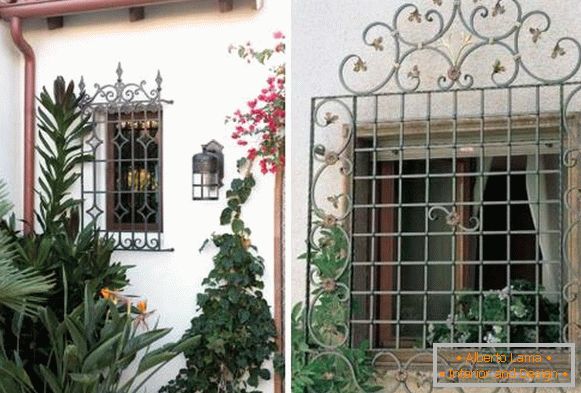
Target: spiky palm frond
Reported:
[(20, 290), (62, 126)]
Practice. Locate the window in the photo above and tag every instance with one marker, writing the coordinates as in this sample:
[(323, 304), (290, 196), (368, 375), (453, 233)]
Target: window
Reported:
[(457, 233), (122, 186), (133, 173)]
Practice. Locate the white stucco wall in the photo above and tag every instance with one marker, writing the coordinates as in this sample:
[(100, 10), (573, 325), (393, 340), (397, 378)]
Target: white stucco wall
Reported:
[(188, 43), (10, 119)]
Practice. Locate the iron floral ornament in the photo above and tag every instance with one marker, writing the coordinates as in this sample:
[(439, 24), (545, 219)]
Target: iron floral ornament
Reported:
[(474, 39), (338, 121)]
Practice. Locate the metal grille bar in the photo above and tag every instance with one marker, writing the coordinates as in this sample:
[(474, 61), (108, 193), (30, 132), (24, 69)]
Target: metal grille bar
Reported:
[(443, 267), (517, 141)]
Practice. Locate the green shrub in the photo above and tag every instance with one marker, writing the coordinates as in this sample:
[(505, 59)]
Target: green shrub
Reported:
[(342, 370)]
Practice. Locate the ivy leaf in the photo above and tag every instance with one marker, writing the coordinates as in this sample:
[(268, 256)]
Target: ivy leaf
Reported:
[(237, 184), (237, 225), (233, 296), (243, 314), (233, 204), (250, 182), (253, 379), (217, 345), (264, 374), (241, 163), (226, 216)]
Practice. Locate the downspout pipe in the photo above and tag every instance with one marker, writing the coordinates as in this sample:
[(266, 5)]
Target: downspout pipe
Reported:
[(29, 120)]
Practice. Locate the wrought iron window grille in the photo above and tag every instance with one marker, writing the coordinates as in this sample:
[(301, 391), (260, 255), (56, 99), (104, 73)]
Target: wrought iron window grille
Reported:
[(398, 193), (122, 188)]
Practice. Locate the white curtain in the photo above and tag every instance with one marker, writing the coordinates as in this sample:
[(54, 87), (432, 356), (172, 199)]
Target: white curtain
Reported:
[(478, 197), (480, 187), (540, 189)]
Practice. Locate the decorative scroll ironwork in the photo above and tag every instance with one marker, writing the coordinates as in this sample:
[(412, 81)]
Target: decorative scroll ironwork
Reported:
[(345, 128), (122, 186), (474, 39), (121, 95), (453, 219)]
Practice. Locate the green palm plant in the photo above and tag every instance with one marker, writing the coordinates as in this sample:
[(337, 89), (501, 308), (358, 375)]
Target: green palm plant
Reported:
[(22, 291), (62, 126)]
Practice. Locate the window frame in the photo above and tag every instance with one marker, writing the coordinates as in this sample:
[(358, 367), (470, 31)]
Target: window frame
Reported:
[(117, 97), (523, 125)]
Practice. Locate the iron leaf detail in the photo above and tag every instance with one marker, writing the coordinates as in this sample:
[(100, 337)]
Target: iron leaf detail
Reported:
[(360, 65), (415, 16), (497, 67), (536, 33), (558, 51), (378, 44)]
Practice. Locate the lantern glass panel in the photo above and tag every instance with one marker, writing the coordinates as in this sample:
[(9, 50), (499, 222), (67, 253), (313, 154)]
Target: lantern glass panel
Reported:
[(205, 186)]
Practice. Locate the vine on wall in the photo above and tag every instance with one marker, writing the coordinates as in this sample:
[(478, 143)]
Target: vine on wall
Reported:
[(234, 321)]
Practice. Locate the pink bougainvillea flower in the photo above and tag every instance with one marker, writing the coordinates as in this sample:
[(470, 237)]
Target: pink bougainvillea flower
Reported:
[(261, 124)]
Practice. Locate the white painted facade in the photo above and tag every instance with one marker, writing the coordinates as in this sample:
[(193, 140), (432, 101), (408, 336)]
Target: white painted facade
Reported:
[(188, 43)]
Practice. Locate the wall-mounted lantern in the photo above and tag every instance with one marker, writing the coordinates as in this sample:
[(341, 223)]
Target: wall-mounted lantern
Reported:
[(208, 172)]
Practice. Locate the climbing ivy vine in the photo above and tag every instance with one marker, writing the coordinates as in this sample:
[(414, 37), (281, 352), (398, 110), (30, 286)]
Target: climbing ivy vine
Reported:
[(234, 321)]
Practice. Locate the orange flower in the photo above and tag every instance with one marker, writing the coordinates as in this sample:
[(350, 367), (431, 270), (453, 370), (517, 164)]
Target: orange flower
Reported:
[(141, 318), (107, 294), (142, 306)]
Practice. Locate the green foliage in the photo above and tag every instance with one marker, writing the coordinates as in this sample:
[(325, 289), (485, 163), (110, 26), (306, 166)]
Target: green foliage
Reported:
[(13, 377), (342, 369), (329, 258), (75, 344), (22, 291), (494, 308), (329, 371), (74, 257), (330, 255), (94, 344), (236, 328), (62, 126), (304, 374)]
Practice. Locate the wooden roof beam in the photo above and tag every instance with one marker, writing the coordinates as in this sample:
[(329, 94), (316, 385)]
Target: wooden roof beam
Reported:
[(226, 5)]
